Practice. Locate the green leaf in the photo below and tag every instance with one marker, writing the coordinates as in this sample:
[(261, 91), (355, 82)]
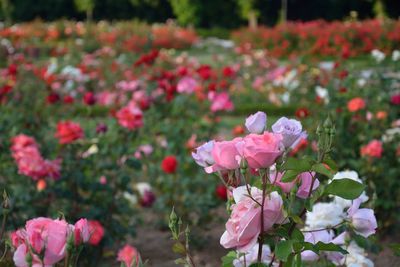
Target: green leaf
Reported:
[(283, 249), (345, 188), (289, 262), (298, 262), (258, 264), (134, 163), (300, 165), (310, 246), (321, 169), (332, 164), (282, 232), (330, 247), (290, 175), (227, 260), (297, 219), (297, 235), (297, 247)]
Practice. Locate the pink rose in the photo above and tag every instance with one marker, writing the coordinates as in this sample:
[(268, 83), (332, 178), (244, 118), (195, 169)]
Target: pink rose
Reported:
[(129, 256), (226, 155), (17, 238), (203, 155), (256, 123), (106, 98), (261, 150), (22, 141), (304, 178), (220, 101), (50, 235), (130, 117), (276, 180), (45, 236), (244, 225), (30, 162), (187, 85), (81, 232), (305, 186), (363, 220), (19, 257), (373, 149)]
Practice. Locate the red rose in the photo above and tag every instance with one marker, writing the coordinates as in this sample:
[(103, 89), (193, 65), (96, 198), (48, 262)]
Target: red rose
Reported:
[(238, 130), (68, 99), (221, 193), (228, 71), (68, 131), (89, 99), (395, 99), (96, 231), (356, 104), (52, 98), (169, 164), (343, 74), (302, 113)]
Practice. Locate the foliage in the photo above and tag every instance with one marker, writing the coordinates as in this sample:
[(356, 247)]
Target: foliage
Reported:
[(185, 12)]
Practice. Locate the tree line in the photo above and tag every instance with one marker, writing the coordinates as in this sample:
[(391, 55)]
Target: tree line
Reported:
[(199, 13)]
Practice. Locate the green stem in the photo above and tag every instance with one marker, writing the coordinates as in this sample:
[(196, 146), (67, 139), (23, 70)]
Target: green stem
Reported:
[(66, 262), (261, 236)]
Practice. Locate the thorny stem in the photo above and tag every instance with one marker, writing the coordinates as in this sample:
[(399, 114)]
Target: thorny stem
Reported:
[(321, 156), (66, 262), (77, 257), (272, 260), (3, 226), (249, 191), (261, 236)]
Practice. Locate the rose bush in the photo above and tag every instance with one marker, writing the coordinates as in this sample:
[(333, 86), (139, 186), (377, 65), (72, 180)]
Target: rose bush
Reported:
[(275, 212)]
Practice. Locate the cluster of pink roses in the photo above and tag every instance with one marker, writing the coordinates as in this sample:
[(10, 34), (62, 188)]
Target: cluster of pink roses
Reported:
[(260, 149), (30, 162), (256, 212), (44, 241)]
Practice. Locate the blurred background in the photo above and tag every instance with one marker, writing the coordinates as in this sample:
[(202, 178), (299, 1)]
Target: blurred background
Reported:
[(198, 13)]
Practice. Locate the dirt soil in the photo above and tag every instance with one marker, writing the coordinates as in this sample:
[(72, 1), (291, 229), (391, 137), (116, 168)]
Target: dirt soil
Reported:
[(156, 246)]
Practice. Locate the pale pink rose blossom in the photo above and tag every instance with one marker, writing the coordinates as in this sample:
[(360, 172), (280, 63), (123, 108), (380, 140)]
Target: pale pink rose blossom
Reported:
[(363, 220), (129, 256), (261, 150), (256, 123), (81, 232), (243, 227), (187, 85), (226, 155), (130, 117), (220, 102), (305, 179)]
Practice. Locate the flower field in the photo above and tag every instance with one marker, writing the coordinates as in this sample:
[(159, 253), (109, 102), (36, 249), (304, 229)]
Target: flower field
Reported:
[(278, 148)]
